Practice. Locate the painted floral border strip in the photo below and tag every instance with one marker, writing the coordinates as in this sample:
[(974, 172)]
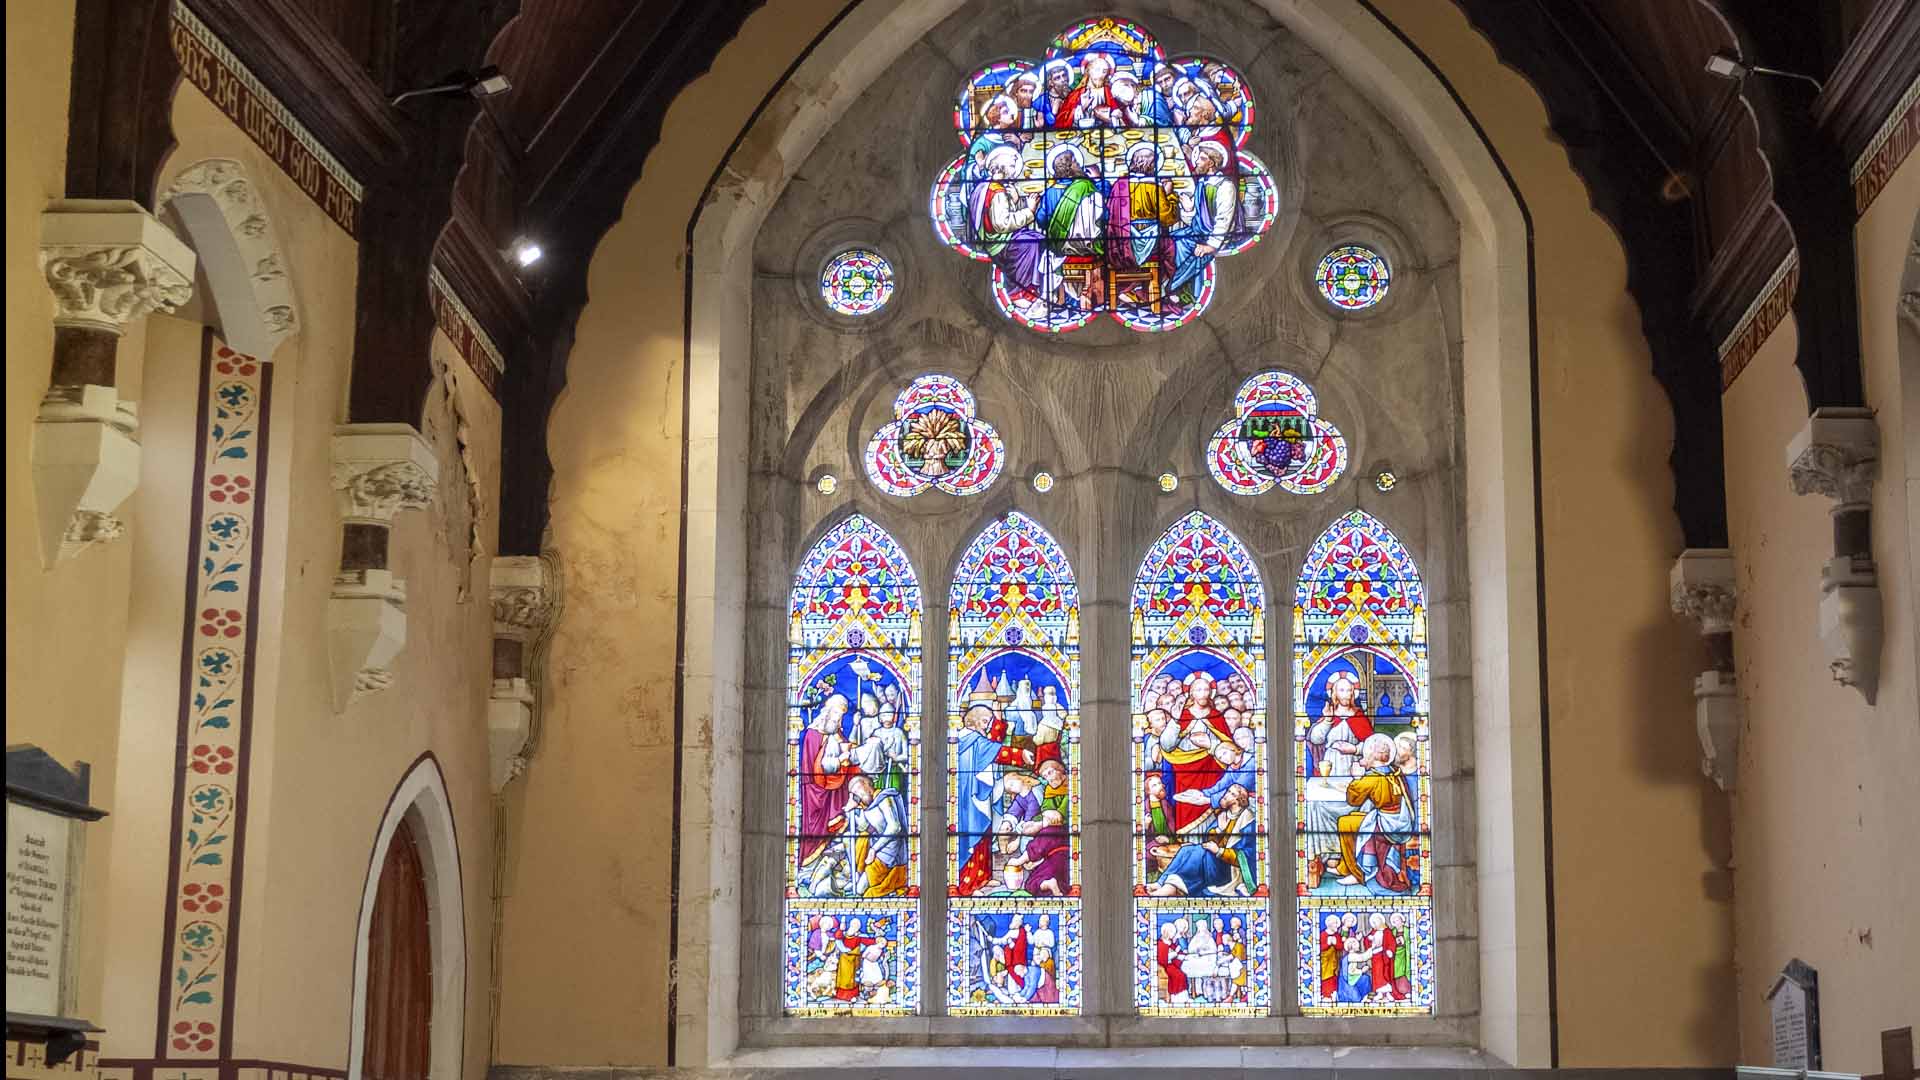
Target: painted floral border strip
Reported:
[(216, 707)]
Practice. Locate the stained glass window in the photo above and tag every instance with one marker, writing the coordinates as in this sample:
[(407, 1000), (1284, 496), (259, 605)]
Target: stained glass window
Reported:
[(852, 940), (1276, 437), (1104, 178), (1353, 277), (1013, 779), (1199, 750), (857, 282), (1362, 736), (935, 440)]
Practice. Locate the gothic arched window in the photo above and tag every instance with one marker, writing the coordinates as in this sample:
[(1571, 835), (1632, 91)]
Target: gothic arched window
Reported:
[(1200, 869), (853, 777), (1013, 784), (1362, 742)]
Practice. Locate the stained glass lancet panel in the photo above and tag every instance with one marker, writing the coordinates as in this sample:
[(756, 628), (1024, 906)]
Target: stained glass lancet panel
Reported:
[(852, 940), (1200, 868), (1362, 736), (1013, 783)]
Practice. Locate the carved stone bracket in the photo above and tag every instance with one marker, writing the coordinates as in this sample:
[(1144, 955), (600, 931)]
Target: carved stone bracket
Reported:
[(1701, 587), (526, 594), (107, 263), (1838, 455), (110, 262), (379, 470)]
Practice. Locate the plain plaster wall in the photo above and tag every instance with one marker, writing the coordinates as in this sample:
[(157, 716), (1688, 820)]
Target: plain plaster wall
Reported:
[(1822, 822), (320, 782), (65, 625), (1624, 905)]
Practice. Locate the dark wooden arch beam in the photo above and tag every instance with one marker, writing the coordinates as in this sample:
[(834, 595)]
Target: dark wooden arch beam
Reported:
[(1638, 180), (120, 112)]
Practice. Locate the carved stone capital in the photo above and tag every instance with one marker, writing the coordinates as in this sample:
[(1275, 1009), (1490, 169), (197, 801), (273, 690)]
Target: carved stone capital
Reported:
[(109, 262), (524, 597), (1850, 623), (1837, 455), (380, 470), (1701, 587)]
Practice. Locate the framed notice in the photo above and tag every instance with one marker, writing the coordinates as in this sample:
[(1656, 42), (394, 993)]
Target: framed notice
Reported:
[(47, 815)]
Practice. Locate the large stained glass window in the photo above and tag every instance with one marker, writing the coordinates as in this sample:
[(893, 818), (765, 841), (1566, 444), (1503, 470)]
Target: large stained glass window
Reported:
[(1013, 781), (1200, 868), (852, 939), (1362, 736), (1276, 436), (1104, 178)]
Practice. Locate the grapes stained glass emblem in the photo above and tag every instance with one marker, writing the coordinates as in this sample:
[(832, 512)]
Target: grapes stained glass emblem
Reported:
[(935, 440), (857, 282), (1104, 178), (1276, 437)]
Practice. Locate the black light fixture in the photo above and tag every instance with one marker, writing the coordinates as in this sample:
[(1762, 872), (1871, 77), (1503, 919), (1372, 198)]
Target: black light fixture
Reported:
[(1727, 66), (488, 82)]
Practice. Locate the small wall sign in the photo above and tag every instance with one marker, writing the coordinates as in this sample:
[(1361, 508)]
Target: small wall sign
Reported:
[(47, 812), (1795, 1002)]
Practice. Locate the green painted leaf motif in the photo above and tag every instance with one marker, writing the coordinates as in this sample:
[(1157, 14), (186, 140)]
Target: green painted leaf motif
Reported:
[(198, 997), (211, 858)]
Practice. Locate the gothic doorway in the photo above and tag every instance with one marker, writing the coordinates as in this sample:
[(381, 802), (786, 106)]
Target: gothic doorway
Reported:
[(399, 1014)]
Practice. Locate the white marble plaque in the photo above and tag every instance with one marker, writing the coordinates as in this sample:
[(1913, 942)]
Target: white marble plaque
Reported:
[(38, 874), (1792, 1043)]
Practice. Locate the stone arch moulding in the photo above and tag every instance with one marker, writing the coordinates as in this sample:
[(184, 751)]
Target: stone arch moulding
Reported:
[(1504, 558), (420, 800), (243, 269)]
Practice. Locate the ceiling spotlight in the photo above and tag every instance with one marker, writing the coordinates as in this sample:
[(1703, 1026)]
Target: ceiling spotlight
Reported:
[(524, 253), (1725, 65), (488, 82)]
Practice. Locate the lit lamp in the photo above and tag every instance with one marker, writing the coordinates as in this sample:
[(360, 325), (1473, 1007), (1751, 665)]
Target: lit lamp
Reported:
[(1725, 65), (488, 82)]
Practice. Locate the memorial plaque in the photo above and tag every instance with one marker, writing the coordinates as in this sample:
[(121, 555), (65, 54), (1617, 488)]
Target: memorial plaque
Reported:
[(39, 887), (1795, 1003)]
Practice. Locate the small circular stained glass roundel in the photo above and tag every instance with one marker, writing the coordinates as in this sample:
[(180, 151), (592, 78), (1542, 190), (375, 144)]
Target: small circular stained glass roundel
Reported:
[(1043, 482), (827, 484), (1169, 482), (857, 282), (1353, 277)]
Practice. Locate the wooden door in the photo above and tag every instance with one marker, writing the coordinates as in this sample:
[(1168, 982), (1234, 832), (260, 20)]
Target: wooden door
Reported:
[(399, 967)]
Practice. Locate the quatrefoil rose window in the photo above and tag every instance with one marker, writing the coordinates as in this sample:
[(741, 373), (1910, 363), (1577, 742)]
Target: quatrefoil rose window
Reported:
[(1276, 436), (935, 440), (1104, 178)]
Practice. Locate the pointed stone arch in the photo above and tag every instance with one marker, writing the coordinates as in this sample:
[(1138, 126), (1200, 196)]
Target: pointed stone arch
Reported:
[(244, 278)]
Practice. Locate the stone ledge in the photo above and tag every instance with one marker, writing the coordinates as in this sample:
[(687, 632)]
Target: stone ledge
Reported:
[(1047, 1063)]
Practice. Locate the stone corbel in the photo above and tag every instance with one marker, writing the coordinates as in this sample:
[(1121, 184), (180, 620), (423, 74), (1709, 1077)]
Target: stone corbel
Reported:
[(379, 470), (1701, 587), (107, 263), (526, 598), (1837, 455)]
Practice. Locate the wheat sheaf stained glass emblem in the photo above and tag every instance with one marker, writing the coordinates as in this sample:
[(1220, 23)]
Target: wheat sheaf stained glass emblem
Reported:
[(857, 282), (936, 439), (1013, 776), (1104, 178), (1201, 937), (1362, 776), (1276, 438), (852, 909)]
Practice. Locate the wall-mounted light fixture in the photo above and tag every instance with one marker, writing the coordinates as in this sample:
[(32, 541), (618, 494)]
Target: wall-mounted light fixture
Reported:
[(523, 252), (488, 82), (1725, 65)]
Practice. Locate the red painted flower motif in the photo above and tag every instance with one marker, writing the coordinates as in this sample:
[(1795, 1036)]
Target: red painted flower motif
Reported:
[(231, 363), (207, 898), (212, 759), (188, 1035), (217, 623), (221, 488)]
